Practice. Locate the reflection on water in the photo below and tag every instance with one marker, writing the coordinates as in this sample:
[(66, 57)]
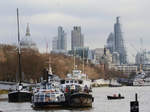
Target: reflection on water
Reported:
[(101, 104)]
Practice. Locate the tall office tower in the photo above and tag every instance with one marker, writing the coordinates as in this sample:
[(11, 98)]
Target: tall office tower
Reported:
[(59, 43), (62, 40), (77, 38), (54, 43), (111, 43), (119, 42)]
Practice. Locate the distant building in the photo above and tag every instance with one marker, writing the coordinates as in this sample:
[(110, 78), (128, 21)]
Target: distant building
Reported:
[(142, 57), (147, 57), (146, 68), (77, 38), (111, 43), (127, 69), (115, 58), (80, 52), (59, 43), (119, 42), (115, 43), (26, 42), (62, 40), (102, 56), (54, 43)]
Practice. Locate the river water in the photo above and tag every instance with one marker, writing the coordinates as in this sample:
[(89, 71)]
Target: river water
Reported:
[(101, 104)]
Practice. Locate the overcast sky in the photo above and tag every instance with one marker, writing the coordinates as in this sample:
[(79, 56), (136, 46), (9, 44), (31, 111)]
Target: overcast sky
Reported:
[(96, 18)]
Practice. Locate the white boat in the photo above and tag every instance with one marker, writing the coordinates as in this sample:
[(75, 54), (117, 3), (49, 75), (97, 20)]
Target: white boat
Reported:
[(76, 88), (48, 96), (77, 78), (49, 93)]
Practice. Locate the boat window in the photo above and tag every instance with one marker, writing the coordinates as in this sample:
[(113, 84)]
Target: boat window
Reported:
[(71, 81), (80, 81), (47, 95), (62, 82), (67, 81), (52, 95), (75, 81)]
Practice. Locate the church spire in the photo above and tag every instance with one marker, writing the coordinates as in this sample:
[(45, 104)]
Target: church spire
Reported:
[(27, 30)]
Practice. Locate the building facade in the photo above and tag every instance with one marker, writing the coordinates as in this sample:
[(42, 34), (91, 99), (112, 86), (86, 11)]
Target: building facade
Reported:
[(77, 38), (111, 43), (119, 42), (59, 43), (54, 43), (62, 40), (127, 69)]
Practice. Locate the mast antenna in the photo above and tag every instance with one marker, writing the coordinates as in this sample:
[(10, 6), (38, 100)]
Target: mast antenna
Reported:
[(83, 60), (19, 49)]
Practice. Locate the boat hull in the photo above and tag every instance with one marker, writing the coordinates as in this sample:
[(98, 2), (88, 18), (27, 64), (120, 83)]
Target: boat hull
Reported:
[(19, 96), (47, 104), (114, 98), (80, 100), (111, 85)]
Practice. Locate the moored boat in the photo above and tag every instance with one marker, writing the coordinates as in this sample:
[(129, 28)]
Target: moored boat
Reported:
[(20, 94), (49, 93), (80, 99), (141, 79), (76, 88), (48, 98)]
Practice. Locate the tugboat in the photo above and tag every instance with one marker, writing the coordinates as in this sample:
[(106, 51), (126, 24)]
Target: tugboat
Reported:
[(49, 93), (48, 96), (20, 94), (76, 89)]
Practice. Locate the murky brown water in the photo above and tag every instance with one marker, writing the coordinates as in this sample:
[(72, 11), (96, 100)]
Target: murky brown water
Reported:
[(101, 104)]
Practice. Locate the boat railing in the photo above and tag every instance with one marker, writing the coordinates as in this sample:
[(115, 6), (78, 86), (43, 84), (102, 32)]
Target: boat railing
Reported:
[(47, 96)]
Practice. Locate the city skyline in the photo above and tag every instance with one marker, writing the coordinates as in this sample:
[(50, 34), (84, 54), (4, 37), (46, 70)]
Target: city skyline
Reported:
[(97, 22)]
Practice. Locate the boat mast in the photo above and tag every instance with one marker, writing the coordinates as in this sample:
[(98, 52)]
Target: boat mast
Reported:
[(83, 60), (49, 63), (19, 49), (74, 61)]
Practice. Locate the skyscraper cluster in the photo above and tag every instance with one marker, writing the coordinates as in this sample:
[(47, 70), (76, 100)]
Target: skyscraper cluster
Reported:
[(59, 43), (115, 43)]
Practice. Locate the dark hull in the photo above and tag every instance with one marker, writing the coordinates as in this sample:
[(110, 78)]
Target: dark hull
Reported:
[(110, 85), (19, 96), (114, 97), (80, 100)]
